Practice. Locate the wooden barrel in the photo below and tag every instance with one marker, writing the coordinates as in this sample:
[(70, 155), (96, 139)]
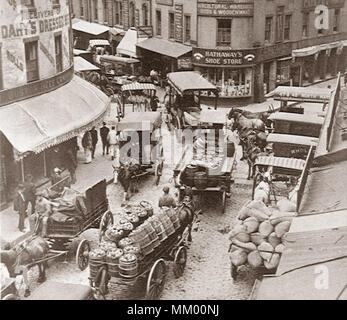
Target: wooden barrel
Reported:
[(189, 173), (168, 225), (140, 236), (95, 263), (128, 267), (200, 180), (158, 227), (174, 217)]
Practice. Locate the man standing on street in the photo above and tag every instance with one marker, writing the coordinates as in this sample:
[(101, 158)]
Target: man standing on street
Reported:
[(103, 134), (87, 146), (166, 200), (29, 192), (19, 205), (71, 165), (113, 141), (94, 135)]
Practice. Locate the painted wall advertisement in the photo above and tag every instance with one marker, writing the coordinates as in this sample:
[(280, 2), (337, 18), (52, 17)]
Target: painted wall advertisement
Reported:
[(221, 9), (179, 22), (214, 57)]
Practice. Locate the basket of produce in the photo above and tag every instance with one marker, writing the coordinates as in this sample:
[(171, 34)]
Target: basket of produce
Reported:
[(152, 235), (112, 259), (140, 237), (168, 225), (107, 245), (133, 219), (128, 266), (125, 242), (114, 233), (158, 227), (174, 217), (97, 259), (127, 228), (258, 238), (148, 207), (134, 249)]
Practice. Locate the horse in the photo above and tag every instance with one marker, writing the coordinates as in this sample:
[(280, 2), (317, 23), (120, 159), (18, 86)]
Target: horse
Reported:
[(252, 115), (126, 178), (17, 258), (242, 123)]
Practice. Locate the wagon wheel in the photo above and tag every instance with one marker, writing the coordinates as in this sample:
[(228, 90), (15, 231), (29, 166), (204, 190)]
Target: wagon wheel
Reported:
[(224, 199), (180, 261), (82, 254), (101, 282), (156, 280), (233, 271), (106, 220)]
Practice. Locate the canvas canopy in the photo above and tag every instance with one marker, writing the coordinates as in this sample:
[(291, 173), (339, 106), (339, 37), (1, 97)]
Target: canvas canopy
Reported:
[(35, 124)]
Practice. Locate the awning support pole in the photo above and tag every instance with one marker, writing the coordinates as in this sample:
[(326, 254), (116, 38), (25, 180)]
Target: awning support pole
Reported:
[(22, 169), (44, 164), (215, 100)]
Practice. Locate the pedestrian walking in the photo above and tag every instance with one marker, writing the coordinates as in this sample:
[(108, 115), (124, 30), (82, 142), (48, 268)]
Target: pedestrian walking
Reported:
[(166, 200), (87, 146), (71, 165), (19, 205), (113, 140), (94, 135), (29, 193), (103, 134)]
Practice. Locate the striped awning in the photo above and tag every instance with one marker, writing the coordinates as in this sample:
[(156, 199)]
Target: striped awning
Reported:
[(288, 163), (138, 86), (98, 42)]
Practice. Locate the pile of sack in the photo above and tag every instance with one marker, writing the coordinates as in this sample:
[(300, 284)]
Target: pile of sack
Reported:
[(258, 236)]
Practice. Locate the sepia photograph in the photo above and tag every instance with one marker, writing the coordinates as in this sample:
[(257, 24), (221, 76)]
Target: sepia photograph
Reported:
[(173, 150)]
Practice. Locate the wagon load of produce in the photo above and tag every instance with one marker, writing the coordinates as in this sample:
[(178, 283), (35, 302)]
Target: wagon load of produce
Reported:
[(97, 259), (258, 237)]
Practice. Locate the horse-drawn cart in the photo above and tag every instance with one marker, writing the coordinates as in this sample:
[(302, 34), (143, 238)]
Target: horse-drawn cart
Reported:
[(164, 237), (142, 142)]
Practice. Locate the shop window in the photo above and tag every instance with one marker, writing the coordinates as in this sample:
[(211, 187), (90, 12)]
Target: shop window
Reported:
[(118, 13), (171, 25), (81, 8), (31, 59), (105, 9), (231, 82), (287, 25), (268, 28), (224, 33), (58, 53), (158, 22), (280, 24), (28, 3), (56, 4), (145, 15), (187, 28), (283, 72), (305, 24), (96, 13), (132, 14), (336, 21)]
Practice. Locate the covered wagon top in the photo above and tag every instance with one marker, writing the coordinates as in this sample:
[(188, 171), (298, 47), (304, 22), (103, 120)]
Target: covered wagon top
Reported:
[(294, 117), (292, 139), (140, 121), (138, 86), (281, 162), (213, 116), (81, 65), (112, 59), (301, 94), (190, 81)]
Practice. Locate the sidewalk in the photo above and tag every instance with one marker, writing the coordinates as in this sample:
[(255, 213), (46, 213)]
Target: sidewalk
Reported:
[(86, 175)]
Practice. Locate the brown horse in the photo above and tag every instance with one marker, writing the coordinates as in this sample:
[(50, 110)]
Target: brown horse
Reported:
[(242, 123), (18, 258), (128, 180), (252, 115)]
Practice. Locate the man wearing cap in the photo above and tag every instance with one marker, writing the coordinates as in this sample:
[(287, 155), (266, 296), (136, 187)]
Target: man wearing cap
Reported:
[(19, 205), (103, 134), (166, 200)]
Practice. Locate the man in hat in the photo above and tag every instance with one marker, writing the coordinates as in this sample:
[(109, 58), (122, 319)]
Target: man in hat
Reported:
[(166, 200), (103, 134), (94, 135), (29, 192), (19, 205)]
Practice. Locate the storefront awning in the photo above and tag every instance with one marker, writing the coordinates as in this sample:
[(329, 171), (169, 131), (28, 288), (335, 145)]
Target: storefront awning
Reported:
[(304, 52), (127, 46), (116, 32), (108, 58), (81, 65), (301, 94), (165, 47), (185, 81), (138, 86), (140, 121), (78, 52), (90, 27), (35, 124)]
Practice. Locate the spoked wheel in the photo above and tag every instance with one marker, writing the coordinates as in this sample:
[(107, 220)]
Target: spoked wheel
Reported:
[(82, 254), (101, 283), (223, 204), (156, 280), (180, 261), (106, 221)]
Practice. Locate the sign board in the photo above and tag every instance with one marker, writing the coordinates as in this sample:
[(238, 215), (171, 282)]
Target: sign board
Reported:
[(179, 22), (215, 57), (222, 9), (165, 2), (185, 63), (312, 4), (137, 17)]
